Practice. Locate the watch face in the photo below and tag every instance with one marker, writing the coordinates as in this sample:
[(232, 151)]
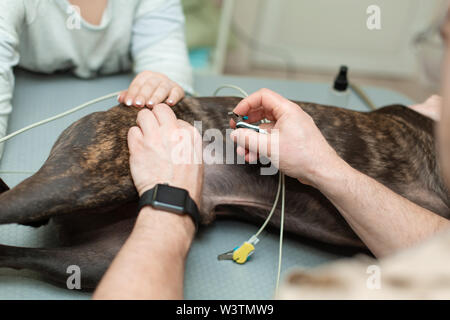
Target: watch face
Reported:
[(170, 198)]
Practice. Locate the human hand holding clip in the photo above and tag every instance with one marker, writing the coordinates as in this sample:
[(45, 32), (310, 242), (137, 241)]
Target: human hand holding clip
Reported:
[(302, 151)]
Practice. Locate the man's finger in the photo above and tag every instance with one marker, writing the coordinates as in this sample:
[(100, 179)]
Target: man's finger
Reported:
[(241, 151), (195, 134), (252, 141), (134, 137), (186, 125), (251, 157), (165, 115), (146, 120), (197, 140), (265, 126), (273, 105)]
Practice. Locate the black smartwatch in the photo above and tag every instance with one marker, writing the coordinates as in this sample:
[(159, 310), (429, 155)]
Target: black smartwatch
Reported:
[(171, 199)]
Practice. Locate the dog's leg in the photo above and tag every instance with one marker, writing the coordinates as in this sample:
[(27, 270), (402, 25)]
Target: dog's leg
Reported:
[(87, 169), (88, 241), (91, 249), (54, 264)]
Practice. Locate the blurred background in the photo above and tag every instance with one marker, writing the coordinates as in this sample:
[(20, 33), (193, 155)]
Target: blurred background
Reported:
[(308, 40)]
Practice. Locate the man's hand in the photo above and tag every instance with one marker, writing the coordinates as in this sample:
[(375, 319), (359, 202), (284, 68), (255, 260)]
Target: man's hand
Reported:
[(150, 265), (302, 152), (151, 88), (445, 27), (431, 108), (165, 150), (443, 129)]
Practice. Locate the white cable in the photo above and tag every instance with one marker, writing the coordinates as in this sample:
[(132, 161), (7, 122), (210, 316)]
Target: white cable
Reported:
[(40, 123), (17, 172), (61, 115), (231, 86), (272, 210), (280, 255), (281, 187)]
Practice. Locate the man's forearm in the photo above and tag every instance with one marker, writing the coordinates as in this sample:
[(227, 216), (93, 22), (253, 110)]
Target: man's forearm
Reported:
[(150, 265), (384, 220)]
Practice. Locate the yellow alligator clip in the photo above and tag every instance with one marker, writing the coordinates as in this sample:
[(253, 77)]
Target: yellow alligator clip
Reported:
[(241, 254)]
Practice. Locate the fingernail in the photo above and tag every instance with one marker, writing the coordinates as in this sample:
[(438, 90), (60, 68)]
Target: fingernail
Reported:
[(170, 101), (150, 103), (129, 102), (139, 102)]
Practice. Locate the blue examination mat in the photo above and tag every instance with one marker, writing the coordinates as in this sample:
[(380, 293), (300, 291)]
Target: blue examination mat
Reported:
[(38, 97)]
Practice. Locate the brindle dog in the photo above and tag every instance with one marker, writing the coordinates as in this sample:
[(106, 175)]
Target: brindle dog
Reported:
[(85, 185)]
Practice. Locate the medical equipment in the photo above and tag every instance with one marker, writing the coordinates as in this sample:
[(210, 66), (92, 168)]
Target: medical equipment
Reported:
[(242, 253), (59, 116), (340, 92), (240, 123)]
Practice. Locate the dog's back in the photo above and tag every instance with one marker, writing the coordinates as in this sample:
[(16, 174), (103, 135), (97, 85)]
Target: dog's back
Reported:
[(394, 145)]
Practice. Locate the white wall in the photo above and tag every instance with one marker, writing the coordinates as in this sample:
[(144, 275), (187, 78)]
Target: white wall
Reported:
[(323, 34)]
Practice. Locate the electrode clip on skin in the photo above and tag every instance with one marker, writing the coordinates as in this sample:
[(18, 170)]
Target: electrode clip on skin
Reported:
[(241, 124)]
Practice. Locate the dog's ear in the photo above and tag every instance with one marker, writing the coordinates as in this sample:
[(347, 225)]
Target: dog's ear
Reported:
[(3, 186)]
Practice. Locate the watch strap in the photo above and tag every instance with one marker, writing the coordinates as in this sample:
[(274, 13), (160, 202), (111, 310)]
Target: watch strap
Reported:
[(192, 210), (146, 199), (190, 207)]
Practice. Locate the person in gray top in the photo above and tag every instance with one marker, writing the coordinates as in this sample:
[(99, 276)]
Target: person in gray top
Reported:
[(97, 37)]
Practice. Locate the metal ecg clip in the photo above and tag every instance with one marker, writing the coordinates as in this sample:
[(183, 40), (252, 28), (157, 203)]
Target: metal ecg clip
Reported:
[(227, 255), (240, 123)]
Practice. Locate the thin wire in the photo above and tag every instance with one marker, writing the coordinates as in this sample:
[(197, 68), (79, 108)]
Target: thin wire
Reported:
[(231, 86), (363, 96), (40, 123), (61, 115), (275, 203), (280, 255), (17, 172)]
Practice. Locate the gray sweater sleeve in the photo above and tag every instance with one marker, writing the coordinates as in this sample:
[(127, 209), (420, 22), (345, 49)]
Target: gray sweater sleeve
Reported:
[(158, 41), (12, 18)]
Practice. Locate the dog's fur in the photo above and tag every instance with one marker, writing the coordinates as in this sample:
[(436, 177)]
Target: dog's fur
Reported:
[(86, 188)]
